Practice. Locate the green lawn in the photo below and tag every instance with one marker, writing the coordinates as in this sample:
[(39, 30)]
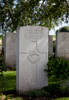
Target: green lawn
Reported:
[(8, 82), (0, 37), (54, 36), (66, 98)]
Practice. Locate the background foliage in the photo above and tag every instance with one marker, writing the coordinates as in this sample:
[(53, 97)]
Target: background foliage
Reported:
[(58, 68), (14, 13)]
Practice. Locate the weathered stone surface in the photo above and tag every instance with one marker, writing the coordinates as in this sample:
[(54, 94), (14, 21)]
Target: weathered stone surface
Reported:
[(50, 45), (10, 49), (32, 57), (62, 44)]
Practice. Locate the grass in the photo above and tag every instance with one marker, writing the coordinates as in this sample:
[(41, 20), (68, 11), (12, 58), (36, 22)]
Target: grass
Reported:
[(8, 82), (54, 36), (66, 98), (0, 37)]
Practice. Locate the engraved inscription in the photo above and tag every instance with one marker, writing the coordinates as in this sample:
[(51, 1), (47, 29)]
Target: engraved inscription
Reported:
[(33, 57), (34, 36)]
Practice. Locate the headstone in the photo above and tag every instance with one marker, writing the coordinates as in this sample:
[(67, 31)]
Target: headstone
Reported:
[(50, 45), (10, 49), (32, 58), (62, 44)]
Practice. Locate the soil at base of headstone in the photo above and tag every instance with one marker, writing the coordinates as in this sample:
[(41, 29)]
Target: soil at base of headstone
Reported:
[(14, 95), (38, 98)]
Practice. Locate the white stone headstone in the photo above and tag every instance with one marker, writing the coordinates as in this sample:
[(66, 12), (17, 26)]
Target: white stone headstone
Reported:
[(62, 44), (10, 49), (32, 58)]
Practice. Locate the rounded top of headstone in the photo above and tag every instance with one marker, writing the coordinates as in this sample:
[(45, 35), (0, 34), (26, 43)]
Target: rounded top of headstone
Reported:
[(64, 29)]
